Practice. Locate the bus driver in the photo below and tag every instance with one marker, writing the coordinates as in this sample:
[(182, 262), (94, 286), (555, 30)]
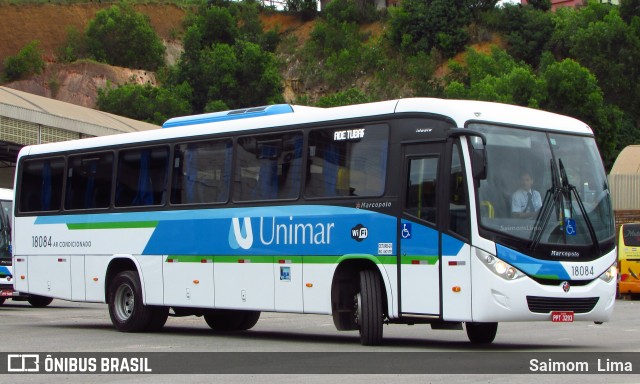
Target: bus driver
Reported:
[(526, 201)]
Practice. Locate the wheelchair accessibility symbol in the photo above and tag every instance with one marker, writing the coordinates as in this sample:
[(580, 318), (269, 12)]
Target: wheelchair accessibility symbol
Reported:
[(406, 231), (570, 227)]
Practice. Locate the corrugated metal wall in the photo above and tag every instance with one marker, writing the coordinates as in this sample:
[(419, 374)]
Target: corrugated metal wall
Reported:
[(625, 191)]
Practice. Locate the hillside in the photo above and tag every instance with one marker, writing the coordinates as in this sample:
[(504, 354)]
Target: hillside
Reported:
[(78, 83)]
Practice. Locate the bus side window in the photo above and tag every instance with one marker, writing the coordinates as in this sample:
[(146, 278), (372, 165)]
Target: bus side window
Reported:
[(89, 181), (202, 172), (268, 167), (142, 177), (347, 162), (41, 188)]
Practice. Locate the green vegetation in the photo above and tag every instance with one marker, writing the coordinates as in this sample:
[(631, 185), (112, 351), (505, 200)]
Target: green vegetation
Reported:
[(121, 36), (26, 63), (577, 61)]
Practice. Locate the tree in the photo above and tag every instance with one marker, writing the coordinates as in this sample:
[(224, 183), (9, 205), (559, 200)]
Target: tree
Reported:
[(420, 25), (26, 63), (527, 31), (498, 77), (610, 49), (348, 97), (573, 90), (629, 9), (225, 64), (542, 5), (145, 102), (563, 87), (74, 48), (123, 37)]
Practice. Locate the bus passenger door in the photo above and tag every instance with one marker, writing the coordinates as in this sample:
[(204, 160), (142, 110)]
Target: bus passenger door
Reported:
[(419, 238)]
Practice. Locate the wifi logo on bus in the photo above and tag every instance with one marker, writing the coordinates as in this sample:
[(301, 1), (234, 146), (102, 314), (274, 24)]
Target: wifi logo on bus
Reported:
[(240, 236)]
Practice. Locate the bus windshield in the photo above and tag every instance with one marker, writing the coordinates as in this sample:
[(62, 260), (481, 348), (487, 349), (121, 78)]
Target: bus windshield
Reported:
[(544, 188)]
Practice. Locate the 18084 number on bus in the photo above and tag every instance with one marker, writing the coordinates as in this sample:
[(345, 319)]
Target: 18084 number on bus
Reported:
[(582, 271), (41, 241)]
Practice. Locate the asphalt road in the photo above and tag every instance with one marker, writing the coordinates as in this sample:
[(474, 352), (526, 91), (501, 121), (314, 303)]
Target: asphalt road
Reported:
[(83, 327)]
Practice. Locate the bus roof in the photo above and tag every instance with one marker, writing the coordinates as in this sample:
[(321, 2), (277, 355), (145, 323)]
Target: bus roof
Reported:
[(236, 114), (461, 111)]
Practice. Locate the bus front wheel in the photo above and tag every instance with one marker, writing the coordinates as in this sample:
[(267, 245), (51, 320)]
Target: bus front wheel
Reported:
[(39, 301), (231, 320), (368, 308), (126, 309), (481, 333)]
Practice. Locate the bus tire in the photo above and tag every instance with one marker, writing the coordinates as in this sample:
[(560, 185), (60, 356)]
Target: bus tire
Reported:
[(2, 299), (126, 309), (368, 304), (39, 301), (481, 333), (159, 317), (231, 320)]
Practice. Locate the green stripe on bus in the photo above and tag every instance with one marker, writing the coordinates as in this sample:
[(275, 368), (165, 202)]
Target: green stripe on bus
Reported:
[(275, 259), (113, 225)]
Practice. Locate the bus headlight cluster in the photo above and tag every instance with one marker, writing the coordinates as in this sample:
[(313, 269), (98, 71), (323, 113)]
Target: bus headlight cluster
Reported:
[(499, 267), (610, 273)]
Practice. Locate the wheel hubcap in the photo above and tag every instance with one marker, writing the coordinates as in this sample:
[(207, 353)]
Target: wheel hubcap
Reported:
[(124, 302)]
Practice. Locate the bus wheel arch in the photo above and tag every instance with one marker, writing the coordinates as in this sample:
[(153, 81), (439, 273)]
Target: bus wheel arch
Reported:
[(116, 266), (345, 290), (124, 295)]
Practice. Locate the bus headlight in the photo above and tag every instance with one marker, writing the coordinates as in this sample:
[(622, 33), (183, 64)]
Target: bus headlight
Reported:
[(610, 273), (499, 267)]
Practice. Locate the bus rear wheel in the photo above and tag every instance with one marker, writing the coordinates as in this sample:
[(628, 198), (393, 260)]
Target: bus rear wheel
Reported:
[(126, 309), (39, 301), (368, 308), (231, 320), (481, 333), (2, 299)]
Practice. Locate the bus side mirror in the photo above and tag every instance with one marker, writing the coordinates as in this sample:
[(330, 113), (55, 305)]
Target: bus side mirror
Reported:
[(478, 152), (479, 163)]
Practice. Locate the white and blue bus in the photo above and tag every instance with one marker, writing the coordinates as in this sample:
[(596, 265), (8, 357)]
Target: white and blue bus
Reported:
[(400, 211)]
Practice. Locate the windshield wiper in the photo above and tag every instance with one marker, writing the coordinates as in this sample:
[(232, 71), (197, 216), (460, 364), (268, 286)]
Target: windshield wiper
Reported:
[(544, 214), (571, 189)]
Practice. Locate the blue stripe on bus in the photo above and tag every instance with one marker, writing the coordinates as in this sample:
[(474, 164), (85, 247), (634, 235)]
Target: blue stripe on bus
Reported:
[(237, 114), (451, 246), (284, 233), (531, 266), (4, 271), (201, 214)]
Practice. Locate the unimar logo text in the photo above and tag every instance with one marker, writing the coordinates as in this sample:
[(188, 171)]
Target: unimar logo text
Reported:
[(278, 231)]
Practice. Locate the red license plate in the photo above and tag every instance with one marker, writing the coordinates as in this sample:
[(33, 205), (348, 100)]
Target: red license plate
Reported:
[(5, 293), (562, 317)]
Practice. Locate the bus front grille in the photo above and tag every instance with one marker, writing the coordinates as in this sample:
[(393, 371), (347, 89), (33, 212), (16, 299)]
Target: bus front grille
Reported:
[(539, 304)]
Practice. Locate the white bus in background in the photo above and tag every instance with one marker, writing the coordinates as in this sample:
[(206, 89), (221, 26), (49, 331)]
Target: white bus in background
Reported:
[(390, 212), (6, 273)]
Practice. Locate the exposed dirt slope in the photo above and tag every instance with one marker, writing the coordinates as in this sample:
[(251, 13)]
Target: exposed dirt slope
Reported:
[(78, 83), (48, 23)]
